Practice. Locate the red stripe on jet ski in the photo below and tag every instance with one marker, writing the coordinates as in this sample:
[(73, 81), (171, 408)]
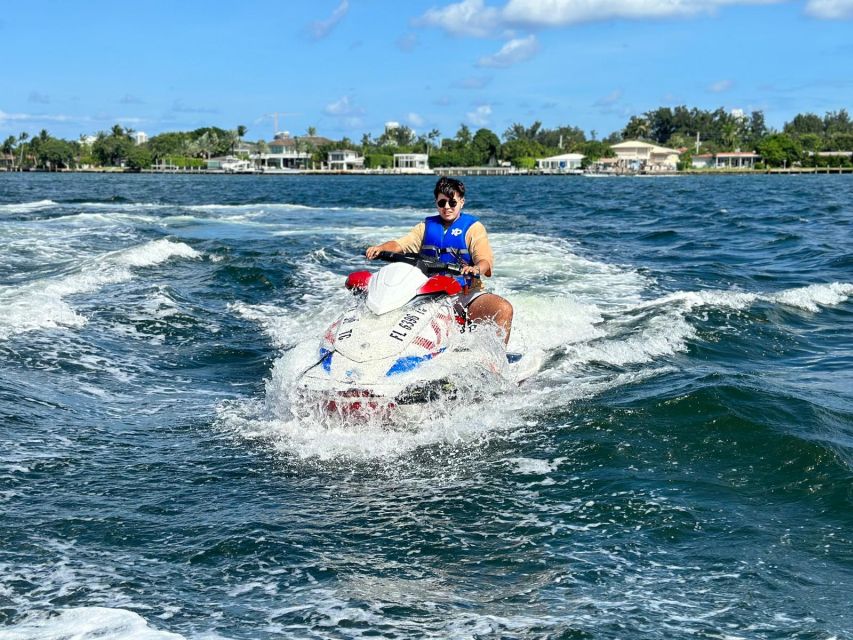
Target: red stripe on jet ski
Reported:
[(423, 342)]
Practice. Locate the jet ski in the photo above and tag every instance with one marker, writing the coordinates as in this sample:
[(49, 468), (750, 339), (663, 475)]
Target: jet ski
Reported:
[(399, 342)]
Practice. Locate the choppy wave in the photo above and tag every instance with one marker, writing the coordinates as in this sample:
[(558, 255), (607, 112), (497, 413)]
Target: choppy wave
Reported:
[(26, 207), (87, 623), (42, 304)]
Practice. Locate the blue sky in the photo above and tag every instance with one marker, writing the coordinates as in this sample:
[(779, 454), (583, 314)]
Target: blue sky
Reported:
[(346, 67)]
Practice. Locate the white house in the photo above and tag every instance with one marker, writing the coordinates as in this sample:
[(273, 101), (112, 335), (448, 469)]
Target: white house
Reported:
[(288, 154), (140, 137), (345, 160), (635, 155), (725, 160), (411, 163), (564, 163)]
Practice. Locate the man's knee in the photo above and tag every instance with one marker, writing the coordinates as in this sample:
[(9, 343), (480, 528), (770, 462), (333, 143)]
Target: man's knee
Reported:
[(506, 309), (491, 306)]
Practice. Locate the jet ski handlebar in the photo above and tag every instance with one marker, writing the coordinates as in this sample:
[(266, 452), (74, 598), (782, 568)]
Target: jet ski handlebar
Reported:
[(428, 266)]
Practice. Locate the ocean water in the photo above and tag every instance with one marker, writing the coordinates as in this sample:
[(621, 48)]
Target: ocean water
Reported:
[(681, 466)]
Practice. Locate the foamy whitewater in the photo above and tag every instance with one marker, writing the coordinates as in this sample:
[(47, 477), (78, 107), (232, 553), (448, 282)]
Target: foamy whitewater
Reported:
[(679, 466)]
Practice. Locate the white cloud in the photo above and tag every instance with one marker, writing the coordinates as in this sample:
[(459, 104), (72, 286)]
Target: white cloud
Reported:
[(610, 99), (348, 114), (480, 115), (555, 13), (515, 51), (321, 28), (415, 120), (720, 86), (343, 107), (830, 9), (32, 117), (466, 18)]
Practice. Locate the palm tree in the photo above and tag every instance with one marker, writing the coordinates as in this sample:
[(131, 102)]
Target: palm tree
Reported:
[(241, 131), (432, 136), (231, 139), (8, 148), (22, 137), (729, 135)]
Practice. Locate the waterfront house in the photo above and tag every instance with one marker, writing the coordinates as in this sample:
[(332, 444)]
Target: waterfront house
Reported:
[(345, 160), (564, 163), (411, 163), (289, 153), (725, 160), (643, 157)]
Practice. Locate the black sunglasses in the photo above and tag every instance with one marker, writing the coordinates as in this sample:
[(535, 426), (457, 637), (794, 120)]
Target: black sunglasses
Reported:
[(445, 201)]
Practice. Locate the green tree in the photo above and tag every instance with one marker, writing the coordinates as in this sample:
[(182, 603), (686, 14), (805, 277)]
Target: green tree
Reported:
[(463, 135), (804, 123), (595, 149), (661, 123), (520, 132), (811, 142), (638, 128), (486, 146), (112, 149), (516, 152), (54, 154), (779, 149), (167, 144), (430, 139), (378, 161), (756, 129), (231, 139), (562, 138), (138, 158), (9, 148), (22, 139), (835, 122), (729, 134)]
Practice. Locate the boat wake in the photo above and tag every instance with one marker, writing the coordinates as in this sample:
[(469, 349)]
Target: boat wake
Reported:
[(609, 333)]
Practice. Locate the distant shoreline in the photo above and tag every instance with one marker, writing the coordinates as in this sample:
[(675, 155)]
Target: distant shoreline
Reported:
[(461, 171)]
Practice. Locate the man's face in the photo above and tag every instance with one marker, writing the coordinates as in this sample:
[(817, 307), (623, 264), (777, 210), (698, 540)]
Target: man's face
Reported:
[(449, 208)]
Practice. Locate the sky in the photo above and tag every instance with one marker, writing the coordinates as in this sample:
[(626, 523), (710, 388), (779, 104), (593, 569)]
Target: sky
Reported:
[(346, 67)]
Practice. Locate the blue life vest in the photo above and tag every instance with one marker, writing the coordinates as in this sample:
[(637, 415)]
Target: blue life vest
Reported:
[(448, 245)]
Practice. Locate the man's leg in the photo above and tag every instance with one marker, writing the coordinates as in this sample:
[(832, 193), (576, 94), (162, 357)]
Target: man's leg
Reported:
[(492, 307)]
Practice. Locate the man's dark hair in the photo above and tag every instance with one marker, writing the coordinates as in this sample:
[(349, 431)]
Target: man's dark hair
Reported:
[(449, 187)]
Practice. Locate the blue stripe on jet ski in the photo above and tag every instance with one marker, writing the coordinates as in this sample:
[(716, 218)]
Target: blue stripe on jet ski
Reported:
[(407, 364), (326, 360)]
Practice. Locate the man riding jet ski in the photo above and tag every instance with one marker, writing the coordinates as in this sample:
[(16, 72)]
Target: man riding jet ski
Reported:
[(400, 343), (454, 237)]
